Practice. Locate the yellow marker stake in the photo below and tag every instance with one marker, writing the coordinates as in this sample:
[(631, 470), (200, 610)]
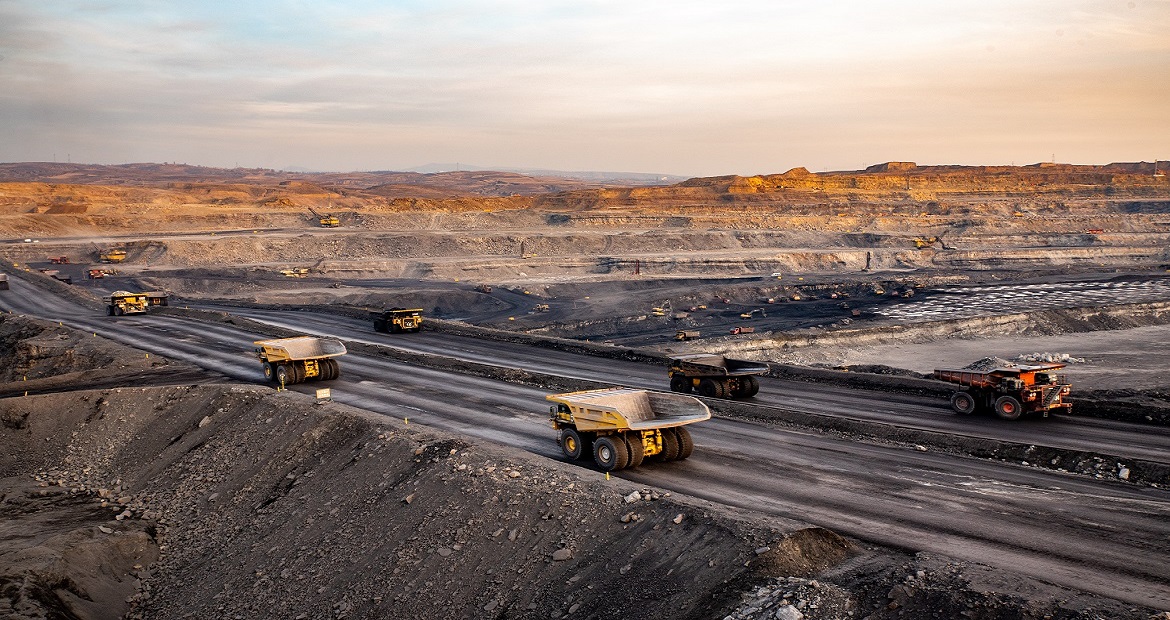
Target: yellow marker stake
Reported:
[(607, 475), (406, 420)]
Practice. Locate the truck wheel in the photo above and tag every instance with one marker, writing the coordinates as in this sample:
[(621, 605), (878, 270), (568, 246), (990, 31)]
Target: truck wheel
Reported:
[(670, 445), (284, 375), (572, 444), (610, 454), (334, 369), (963, 403), (269, 372), (379, 325), (686, 445), (753, 386), (636, 447), (1008, 408), (119, 312), (712, 389), (109, 311), (679, 383), (298, 373)]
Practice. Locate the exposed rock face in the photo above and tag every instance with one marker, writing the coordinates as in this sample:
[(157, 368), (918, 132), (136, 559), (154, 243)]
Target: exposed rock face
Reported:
[(892, 166)]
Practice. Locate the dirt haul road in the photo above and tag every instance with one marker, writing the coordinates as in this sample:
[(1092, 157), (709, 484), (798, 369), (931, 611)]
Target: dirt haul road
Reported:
[(929, 413), (1099, 536)]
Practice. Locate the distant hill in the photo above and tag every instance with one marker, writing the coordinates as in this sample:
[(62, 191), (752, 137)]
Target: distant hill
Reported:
[(386, 183), (629, 178)]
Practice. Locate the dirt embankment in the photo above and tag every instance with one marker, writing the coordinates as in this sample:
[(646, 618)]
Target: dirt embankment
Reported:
[(38, 356)]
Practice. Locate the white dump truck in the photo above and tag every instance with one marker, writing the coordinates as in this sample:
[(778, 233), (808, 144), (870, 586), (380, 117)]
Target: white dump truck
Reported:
[(621, 426), (296, 360)]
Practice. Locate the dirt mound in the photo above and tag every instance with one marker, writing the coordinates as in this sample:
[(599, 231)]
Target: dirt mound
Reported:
[(32, 349), (989, 363)]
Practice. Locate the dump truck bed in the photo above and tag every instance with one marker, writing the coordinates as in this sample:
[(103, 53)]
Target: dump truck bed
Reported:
[(302, 347), (989, 377), (708, 364), (625, 408)]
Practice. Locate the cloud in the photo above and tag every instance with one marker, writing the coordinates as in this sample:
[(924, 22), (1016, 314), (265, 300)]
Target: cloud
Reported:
[(687, 87)]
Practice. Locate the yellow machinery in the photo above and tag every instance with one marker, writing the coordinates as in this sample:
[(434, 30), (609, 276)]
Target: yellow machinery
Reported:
[(296, 360), (621, 426), (125, 302), (715, 376), (112, 256), (395, 320), (326, 220)]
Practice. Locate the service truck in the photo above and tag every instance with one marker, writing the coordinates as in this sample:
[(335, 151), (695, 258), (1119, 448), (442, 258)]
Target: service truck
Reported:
[(715, 376), (299, 359), (620, 427), (395, 320), (1009, 391)]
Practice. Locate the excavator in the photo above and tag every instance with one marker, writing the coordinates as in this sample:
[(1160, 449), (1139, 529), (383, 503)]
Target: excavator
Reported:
[(326, 220)]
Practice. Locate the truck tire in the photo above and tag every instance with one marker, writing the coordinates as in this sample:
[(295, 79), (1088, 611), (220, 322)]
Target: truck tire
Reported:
[(963, 403), (636, 447), (712, 389), (1008, 408), (284, 374), (380, 325), (573, 444), (269, 372), (610, 453), (686, 445), (334, 369), (119, 311), (753, 386), (109, 311), (670, 445), (679, 383)]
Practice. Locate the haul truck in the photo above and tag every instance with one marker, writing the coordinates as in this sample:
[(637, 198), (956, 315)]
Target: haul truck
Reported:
[(296, 360), (398, 320), (715, 376), (620, 426), (125, 302), (1010, 391)]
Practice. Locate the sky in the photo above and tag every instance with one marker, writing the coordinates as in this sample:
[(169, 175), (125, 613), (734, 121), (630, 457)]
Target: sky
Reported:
[(674, 87)]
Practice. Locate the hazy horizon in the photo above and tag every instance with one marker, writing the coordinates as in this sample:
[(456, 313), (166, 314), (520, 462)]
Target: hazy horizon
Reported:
[(676, 88)]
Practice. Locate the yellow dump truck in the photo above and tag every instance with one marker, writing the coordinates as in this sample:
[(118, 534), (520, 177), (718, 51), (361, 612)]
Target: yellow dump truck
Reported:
[(715, 376), (395, 320), (112, 256), (296, 360), (621, 427), (125, 302)]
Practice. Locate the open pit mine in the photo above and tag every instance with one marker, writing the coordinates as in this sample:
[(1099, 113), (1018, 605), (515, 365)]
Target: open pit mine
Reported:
[(900, 392)]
